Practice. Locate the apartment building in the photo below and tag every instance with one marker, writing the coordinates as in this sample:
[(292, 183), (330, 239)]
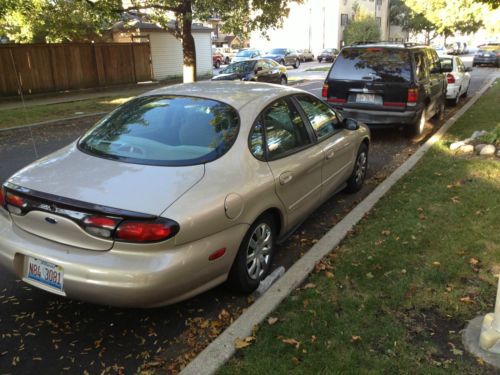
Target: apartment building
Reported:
[(318, 24)]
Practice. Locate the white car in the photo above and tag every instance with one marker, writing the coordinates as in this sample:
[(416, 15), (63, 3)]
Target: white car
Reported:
[(458, 77)]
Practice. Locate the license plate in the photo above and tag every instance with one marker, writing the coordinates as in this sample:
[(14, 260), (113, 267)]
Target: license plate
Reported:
[(45, 273), (365, 98)]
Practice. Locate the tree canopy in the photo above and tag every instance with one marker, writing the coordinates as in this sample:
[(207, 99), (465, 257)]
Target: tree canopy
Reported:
[(363, 28)]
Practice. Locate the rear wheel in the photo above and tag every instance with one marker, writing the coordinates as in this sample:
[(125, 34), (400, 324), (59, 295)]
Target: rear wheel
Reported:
[(440, 113), (417, 128), (355, 182), (255, 255), (319, 60)]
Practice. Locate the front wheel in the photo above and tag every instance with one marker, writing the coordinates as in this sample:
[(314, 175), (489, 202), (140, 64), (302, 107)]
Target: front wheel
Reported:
[(255, 255), (297, 64), (357, 178)]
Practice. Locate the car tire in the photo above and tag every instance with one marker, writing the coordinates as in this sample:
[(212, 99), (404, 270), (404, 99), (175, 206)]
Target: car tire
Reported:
[(248, 270), (454, 102), (466, 93), (319, 60), (282, 62), (297, 64), (417, 128), (217, 64), (357, 178), (227, 61), (283, 81)]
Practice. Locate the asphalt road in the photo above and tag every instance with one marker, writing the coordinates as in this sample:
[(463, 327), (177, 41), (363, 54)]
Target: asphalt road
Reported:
[(43, 332)]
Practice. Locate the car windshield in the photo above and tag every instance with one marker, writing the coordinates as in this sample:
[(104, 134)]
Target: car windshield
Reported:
[(164, 130), (446, 63), (376, 64), (245, 53), (277, 51), (239, 67), (327, 50)]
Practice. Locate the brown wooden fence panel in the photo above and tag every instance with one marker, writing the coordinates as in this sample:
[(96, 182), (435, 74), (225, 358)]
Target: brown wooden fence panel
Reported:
[(39, 68)]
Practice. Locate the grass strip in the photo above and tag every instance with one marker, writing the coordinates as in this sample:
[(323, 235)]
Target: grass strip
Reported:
[(393, 297)]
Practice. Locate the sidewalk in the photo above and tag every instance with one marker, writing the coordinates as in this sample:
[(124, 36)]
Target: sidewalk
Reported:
[(393, 297), (72, 96)]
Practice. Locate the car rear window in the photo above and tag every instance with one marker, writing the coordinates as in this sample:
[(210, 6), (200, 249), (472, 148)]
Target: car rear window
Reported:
[(377, 64), (164, 130), (446, 63)]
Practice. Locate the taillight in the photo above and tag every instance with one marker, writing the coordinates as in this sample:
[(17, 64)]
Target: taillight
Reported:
[(100, 226), (15, 200), (324, 91), (450, 77), (146, 231), (412, 96), (2, 196)]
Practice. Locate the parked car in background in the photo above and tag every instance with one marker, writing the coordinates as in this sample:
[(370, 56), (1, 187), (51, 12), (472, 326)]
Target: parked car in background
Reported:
[(284, 56), (261, 70), (440, 49), (328, 55), (177, 191), (246, 54), (488, 54), (305, 55), (458, 78), (385, 84), (227, 54), (217, 59)]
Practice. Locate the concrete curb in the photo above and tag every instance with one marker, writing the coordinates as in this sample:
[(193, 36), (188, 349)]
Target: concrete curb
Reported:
[(35, 124), (470, 340), (222, 348)]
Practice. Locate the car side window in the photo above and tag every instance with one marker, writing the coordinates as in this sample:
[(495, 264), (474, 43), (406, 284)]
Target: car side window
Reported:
[(322, 118), (420, 68), (261, 64), (256, 142), (284, 129)]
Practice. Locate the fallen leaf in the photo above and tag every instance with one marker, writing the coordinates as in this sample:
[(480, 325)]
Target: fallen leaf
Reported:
[(369, 275), (355, 338), (313, 338), (291, 342), (309, 286), (329, 275), (240, 344), (272, 320), (295, 360), (386, 232), (455, 199), (457, 351), (473, 261), (436, 264), (466, 299)]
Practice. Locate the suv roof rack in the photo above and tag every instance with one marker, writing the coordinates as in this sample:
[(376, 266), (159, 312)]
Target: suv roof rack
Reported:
[(388, 42)]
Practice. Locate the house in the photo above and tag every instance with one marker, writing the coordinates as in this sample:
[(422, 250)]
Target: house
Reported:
[(166, 49), (319, 24)]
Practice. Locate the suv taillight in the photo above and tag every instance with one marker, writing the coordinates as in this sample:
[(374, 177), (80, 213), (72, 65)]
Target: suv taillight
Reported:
[(146, 231), (324, 91), (450, 77), (2, 196), (412, 96)]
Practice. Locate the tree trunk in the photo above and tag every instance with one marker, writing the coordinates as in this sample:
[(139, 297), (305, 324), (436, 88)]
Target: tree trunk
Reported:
[(188, 46)]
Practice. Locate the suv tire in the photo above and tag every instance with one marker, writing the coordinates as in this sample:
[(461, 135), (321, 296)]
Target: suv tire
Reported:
[(417, 128), (242, 278)]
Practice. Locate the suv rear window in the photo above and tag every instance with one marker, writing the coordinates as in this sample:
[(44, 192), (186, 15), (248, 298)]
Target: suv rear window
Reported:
[(372, 63), (164, 130)]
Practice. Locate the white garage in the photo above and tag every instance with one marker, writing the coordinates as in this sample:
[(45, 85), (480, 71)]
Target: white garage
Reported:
[(166, 49)]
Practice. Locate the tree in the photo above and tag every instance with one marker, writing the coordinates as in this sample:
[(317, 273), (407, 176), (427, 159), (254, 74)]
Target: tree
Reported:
[(402, 15), (363, 28), (239, 16), (42, 21)]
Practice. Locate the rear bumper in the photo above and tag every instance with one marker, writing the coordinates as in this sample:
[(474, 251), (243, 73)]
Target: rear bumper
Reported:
[(380, 117), (138, 277), (485, 60), (452, 91)]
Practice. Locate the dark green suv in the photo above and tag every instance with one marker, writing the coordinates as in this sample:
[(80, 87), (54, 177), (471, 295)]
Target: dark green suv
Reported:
[(384, 84)]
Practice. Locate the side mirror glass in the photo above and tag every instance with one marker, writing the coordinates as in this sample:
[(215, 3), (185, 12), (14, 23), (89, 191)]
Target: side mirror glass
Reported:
[(350, 124)]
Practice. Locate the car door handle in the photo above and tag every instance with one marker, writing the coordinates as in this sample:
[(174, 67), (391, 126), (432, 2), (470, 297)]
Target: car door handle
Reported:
[(286, 177)]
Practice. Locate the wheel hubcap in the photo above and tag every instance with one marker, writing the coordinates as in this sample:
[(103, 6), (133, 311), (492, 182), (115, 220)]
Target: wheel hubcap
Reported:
[(259, 251), (359, 175)]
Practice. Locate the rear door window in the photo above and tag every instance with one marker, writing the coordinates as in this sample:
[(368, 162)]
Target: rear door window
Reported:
[(321, 117), (374, 63)]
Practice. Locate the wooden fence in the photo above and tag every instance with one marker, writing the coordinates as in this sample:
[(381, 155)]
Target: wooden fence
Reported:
[(38, 68)]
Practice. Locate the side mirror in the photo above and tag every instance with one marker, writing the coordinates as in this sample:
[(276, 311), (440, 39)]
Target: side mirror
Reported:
[(350, 124)]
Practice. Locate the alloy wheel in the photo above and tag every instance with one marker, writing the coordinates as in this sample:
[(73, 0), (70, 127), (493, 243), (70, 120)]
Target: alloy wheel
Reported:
[(259, 250)]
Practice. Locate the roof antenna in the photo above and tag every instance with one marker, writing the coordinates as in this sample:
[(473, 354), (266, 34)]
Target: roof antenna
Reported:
[(20, 90)]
